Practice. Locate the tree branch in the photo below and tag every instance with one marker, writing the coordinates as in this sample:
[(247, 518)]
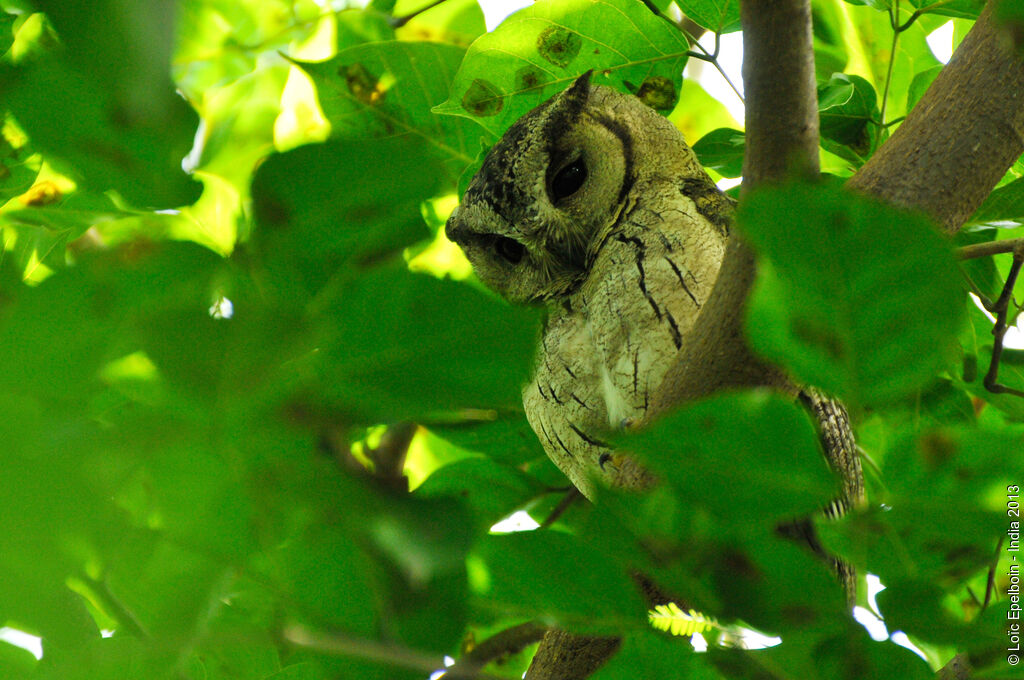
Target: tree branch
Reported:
[(782, 140), (567, 656), (989, 248), (1001, 309), (509, 641), (958, 141)]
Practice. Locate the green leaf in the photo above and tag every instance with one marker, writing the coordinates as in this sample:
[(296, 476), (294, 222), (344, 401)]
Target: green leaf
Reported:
[(551, 574), (16, 663), (829, 653), (322, 208), (6, 31), (981, 271), (966, 9), (18, 170), (915, 607), (507, 439), (752, 456), (539, 50), (951, 475), (1005, 204), (492, 490), (846, 106), (427, 346), (385, 89), (776, 584), (106, 105), (854, 296), (457, 22), (722, 151), (876, 4), (920, 84), (719, 16), (649, 655)]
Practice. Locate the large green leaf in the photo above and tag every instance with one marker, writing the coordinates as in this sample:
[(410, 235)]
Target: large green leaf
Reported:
[(557, 576), (957, 477), (846, 107), (855, 296), (18, 169), (104, 103), (384, 89), (398, 345), (539, 50), (750, 456), (322, 208), (650, 655)]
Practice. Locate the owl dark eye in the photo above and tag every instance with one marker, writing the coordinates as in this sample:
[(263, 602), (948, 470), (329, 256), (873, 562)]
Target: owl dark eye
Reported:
[(568, 180), (510, 249)]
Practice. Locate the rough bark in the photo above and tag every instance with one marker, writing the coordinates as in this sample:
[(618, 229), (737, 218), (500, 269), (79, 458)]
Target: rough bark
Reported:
[(782, 139), (961, 137), (567, 656)]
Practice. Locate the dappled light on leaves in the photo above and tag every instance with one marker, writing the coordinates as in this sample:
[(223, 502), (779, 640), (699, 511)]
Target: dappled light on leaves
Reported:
[(259, 419)]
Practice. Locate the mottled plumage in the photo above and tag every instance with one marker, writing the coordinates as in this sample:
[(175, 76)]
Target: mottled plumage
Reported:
[(593, 205)]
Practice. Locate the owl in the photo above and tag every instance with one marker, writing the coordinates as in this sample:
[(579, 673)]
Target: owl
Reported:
[(594, 206)]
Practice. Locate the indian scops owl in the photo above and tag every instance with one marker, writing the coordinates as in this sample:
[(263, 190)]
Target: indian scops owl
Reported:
[(593, 205)]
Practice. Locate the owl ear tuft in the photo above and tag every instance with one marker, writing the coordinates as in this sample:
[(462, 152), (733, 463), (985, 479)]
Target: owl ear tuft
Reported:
[(580, 87), (572, 100)]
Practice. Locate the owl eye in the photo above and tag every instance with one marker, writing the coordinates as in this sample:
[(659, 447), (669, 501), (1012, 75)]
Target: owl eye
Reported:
[(509, 249), (568, 180)]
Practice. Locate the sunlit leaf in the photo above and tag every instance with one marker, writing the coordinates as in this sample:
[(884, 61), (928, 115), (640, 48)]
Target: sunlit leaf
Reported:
[(722, 151), (388, 88), (721, 16), (129, 130), (968, 9), (539, 50)]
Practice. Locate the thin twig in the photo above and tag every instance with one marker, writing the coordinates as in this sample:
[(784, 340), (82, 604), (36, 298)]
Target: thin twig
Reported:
[(509, 641), (370, 650), (389, 455), (893, 18), (989, 248), (1001, 310), (990, 583), (398, 22), (571, 496), (712, 58)]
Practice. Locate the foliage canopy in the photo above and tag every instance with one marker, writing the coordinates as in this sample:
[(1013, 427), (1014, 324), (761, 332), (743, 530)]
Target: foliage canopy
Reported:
[(211, 365)]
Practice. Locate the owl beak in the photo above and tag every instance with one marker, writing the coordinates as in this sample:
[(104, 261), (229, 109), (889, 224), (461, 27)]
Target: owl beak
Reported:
[(454, 228)]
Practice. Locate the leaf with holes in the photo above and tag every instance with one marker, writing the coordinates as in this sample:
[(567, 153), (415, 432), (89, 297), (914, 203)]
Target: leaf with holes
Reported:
[(539, 50), (386, 89), (860, 298)]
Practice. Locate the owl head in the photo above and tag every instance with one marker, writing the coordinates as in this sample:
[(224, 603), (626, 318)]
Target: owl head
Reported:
[(557, 183)]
